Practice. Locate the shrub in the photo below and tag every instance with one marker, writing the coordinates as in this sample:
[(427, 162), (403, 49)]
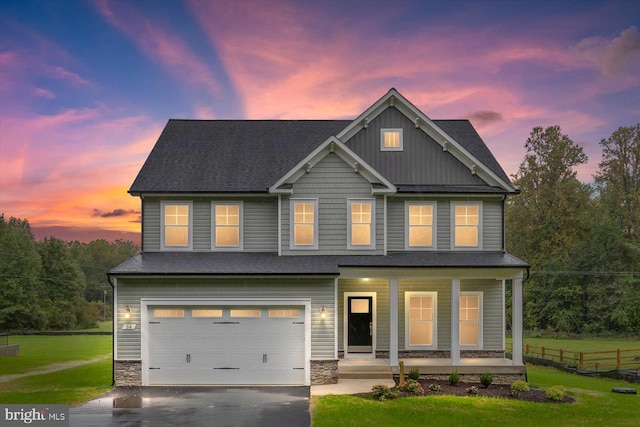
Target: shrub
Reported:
[(434, 387), (486, 379), (472, 390), (411, 386), (382, 392), (414, 374), (555, 393), (454, 378), (518, 386)]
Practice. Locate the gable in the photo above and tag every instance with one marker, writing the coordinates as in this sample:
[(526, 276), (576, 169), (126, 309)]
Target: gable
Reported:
[(422, 160)]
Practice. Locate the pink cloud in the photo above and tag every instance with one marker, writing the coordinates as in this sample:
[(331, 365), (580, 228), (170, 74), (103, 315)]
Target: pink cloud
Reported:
[(613, 56)]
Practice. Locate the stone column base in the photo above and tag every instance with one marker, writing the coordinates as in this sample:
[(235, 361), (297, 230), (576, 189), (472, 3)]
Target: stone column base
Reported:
[(128, 373), (324, 372)]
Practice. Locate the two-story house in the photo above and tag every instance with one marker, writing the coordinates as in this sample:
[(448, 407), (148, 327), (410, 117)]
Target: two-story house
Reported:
[(273, 249)]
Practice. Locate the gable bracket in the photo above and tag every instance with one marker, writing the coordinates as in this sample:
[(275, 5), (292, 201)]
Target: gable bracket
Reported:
[(308, 167), (366, 122), (391, 101), (417, 122), (474, 169), (356, 167), (445, 146)]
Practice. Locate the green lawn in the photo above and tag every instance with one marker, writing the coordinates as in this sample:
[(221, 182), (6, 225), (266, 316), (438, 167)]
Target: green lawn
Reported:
[(585, 345), (37, 351), (596, 405)]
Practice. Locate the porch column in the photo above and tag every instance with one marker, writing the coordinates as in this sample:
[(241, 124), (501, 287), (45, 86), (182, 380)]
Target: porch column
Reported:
[(516, 321), (455, 322), (393, 322)]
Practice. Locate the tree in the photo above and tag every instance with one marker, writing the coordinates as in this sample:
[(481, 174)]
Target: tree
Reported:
[(20, 269), (618, 179)]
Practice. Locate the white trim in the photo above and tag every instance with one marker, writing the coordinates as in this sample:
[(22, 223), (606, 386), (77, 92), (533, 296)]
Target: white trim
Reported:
[(345, 325), (503, 297), (144, 332), (407, 319), (480, 295), (393, 322), (240, 246), (455, 321), (115, 318), (516, 321), (400, 147), (434, 224), (452, 213), (163, 204), (372, 229), (316, 224), (335, 318), (279, 224), (333, 145), (384, 219)]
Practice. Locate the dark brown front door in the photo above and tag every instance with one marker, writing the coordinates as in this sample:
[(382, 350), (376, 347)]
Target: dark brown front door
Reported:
[(360, 324)]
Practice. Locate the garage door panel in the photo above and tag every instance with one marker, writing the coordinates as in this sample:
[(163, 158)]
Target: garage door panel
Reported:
[(227, 350)]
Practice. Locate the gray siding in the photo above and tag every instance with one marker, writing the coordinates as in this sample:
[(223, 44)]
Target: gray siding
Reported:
[(491, 222), (381, 287), (260, 219), (320, 291), (492, 311), (422, 162), (443, 316), (332, 182)]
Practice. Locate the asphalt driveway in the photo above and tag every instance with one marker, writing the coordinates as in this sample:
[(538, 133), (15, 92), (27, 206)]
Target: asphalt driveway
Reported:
[(197, 406)]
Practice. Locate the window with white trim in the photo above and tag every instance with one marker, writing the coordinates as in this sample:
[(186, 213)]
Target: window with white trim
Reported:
[(227, 225), (471, 319), (304, 224), (420, 320), (420, 225), (176, 225), (391, 139), (361, 231), (466, 224)]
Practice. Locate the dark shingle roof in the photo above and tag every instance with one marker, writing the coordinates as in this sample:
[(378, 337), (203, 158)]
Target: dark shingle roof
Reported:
[(211, 156), (248, 263)]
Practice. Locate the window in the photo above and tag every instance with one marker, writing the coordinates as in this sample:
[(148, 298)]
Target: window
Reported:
[(167, 312), (361, 226), (420, 319), (304, 225), (391, 139), (284, 313), (206, 313), (466, 225), (245, 313), (176, 225), (471, 319), (420, 225), (227, 225)]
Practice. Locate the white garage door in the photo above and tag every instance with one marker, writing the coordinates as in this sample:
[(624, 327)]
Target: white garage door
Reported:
[(226, 345)]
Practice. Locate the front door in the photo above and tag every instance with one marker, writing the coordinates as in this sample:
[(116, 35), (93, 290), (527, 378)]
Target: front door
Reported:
[(360, 324)]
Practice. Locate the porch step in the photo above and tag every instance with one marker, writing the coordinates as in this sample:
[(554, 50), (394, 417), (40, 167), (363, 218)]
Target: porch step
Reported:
[(364, 372)]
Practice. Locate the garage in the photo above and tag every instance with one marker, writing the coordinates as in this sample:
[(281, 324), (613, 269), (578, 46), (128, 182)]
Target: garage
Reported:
[(231, 344)]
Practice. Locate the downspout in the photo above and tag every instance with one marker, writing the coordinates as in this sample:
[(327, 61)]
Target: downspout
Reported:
[(113, 342)]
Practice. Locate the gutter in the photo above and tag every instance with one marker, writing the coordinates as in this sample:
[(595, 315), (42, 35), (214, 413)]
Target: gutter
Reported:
[(113, 333)]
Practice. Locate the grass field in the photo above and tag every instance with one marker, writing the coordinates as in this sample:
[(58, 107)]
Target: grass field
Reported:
[(596, 406), (586, 345)]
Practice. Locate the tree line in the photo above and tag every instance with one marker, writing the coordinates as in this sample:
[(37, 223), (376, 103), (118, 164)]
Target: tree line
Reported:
[(582, 240), (52, 284)]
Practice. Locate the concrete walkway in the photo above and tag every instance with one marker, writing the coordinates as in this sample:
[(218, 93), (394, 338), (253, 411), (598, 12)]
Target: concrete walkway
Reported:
[(349, 386)]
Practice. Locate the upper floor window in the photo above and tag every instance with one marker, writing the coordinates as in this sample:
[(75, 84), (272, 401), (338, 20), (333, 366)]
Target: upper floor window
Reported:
[(361, 224), (304, 224), (420, 225), (227, 225), (176, 225), (466, 224), (391, 139), (471, 319)]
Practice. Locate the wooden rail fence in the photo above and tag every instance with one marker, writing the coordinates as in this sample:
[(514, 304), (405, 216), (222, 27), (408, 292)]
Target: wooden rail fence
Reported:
[(587, 360)]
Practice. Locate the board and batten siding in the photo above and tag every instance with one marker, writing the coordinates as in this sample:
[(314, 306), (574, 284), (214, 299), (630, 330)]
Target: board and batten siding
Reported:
[(381, 288), (422, 160), (332, 182), (320, 291), (260, 223), (492, 223)]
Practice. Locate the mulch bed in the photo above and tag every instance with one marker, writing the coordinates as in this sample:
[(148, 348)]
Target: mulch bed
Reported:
[(502, 391)]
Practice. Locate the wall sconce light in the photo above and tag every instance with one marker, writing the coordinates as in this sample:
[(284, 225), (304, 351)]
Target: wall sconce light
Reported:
[(127, 312), (323, 312)]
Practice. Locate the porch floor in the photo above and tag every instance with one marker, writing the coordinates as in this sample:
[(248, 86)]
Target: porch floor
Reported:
[(436, 366)]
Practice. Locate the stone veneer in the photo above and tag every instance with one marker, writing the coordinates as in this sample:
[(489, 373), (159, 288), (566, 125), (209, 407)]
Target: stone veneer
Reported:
[(324, 372), (128, 373)]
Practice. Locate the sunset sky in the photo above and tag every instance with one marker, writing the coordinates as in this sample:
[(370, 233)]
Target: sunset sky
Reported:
[(87, 86)]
